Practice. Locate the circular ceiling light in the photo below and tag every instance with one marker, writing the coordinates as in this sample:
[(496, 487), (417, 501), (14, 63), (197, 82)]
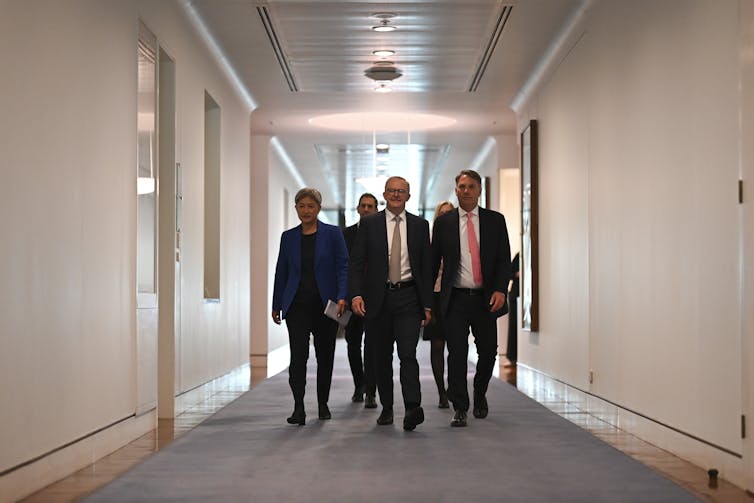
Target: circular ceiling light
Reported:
[(382, 146), (383, 87), (383, 53), (384, 18), (381, 121)]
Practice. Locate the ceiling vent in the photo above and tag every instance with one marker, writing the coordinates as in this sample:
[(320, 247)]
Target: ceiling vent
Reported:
[(382, 70)]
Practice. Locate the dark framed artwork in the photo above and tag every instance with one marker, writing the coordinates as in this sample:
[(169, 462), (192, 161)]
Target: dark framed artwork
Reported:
[(529, 248)]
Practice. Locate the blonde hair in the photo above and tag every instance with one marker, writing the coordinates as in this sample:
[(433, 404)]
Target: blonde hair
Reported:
[(440, 205)]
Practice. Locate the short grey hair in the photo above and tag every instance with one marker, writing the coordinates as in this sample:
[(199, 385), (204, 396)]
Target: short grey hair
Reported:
[(308, 192)]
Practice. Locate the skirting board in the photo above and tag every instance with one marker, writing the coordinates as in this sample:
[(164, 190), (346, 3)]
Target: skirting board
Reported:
[(730, 467), (62, 463)]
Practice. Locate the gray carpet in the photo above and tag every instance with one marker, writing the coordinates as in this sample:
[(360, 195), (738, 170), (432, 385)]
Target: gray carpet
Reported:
[(520, 453)]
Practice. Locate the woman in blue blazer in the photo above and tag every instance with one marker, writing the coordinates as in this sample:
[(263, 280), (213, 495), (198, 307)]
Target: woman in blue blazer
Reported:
[(312, 268)]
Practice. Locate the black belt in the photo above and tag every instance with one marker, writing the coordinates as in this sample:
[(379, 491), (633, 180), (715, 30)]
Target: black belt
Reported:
[(469, 291), (400, 284)]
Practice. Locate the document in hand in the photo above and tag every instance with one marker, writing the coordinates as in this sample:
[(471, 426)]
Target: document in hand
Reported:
[(331, 311)]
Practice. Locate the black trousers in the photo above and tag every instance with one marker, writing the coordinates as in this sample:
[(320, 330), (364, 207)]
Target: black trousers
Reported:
[(511, 351), (363, 371), (397, 322), (304, 319), (469, 311)]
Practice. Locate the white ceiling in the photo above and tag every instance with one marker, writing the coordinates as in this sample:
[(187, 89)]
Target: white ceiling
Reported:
[(461, 59)]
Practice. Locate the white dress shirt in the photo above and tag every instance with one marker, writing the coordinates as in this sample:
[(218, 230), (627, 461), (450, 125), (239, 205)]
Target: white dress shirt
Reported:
[(465, 276), (405, 263)]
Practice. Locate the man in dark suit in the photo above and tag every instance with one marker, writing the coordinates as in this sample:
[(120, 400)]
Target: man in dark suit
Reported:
[(390, 284), (364, 377), (472, 243)]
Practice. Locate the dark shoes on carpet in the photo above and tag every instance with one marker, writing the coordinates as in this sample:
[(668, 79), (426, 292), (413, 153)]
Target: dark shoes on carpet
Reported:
[(324, 412), (444, 403), (358, 394), (480, 406), (413, 418), (386, 417), (298, 417), (370, 402), (459, 418)]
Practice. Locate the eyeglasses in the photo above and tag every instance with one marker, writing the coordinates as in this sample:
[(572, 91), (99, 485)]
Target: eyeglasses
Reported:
[(396, 191)]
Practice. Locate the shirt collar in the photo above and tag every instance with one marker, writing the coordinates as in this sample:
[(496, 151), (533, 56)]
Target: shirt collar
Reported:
[(473, 212), (389, 215)]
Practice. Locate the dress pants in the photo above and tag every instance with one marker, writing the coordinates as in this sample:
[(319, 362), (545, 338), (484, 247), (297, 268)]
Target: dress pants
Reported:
[(469, 309), (511, 351), (363, 372), (302, 319), (397, 321)]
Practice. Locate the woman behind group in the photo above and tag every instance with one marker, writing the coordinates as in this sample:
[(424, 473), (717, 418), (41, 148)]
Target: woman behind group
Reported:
[(312, 268), (434, 331)]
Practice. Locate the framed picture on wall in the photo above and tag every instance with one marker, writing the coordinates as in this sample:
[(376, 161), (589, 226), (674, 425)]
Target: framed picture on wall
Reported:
[(529, 248)]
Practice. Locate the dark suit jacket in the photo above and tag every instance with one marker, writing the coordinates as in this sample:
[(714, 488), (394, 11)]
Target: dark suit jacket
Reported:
[(349, 233), (369, 261), (494, 251), (330, 266)]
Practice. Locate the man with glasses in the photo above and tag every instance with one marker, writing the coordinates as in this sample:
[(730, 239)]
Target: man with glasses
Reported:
[(390, 285)]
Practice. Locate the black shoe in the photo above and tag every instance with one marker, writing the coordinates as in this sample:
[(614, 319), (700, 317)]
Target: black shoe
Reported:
[(370, 402), (413, 418), (480, 406), (444, 404), (324, 412), (358, 394), (298, 417), (386, 417), (459, 418)]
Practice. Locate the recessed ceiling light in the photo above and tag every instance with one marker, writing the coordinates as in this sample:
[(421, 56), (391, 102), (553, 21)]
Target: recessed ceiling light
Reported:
[(384, 18), (382, 146), (383, 53), (383, 87)]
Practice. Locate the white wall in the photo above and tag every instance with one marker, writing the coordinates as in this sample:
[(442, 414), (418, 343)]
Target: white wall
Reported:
[(639, 223), (68, 219), (271, 179)]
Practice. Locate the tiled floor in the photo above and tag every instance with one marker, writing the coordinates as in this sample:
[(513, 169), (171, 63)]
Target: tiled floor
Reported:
[(106, 469)]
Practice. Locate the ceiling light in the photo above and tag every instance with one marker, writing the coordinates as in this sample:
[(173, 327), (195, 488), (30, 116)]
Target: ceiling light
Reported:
[(382, 167), (383, 87), (382, 70), (383, 53), (384, 18), (381, 121), (382, 146)]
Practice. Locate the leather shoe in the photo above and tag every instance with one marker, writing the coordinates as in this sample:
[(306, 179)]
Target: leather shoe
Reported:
[(358, 394), (370, 402), (444, 404), (386, 417), (413, 418), (480, 406), (324, 412), (298, 417), (459, 418)]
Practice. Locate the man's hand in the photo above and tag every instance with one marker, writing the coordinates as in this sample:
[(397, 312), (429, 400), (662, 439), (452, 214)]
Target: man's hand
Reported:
[(427, 317), (276, 317), (341, 306), (496, 301), (357, 306)]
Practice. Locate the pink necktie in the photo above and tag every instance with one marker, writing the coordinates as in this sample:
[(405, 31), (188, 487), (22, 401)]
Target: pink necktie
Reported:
[(476, 263)]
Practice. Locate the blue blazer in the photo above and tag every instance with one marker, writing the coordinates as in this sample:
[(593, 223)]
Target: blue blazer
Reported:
[(330, 266)]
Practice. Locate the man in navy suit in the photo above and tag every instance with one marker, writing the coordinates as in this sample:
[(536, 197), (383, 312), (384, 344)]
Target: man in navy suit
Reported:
[(472, 244), (364, 378), (390, 284)]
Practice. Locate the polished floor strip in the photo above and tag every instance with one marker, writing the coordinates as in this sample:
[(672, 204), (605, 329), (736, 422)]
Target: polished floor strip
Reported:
[(692, 477)]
